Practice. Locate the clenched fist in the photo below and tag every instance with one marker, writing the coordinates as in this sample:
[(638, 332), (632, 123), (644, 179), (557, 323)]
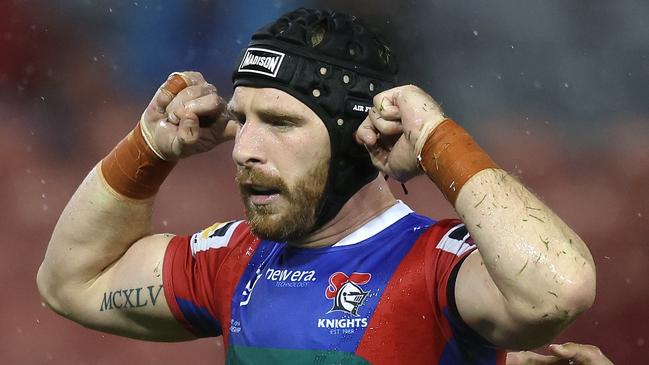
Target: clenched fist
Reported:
[(170, 123), (396, 127)]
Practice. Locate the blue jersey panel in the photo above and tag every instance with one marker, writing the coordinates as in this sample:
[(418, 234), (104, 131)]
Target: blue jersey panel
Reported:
[(292, 298), (199, 318)]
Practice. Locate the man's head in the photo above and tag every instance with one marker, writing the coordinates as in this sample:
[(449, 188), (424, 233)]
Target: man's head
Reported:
[(332, 65), (282, 153)]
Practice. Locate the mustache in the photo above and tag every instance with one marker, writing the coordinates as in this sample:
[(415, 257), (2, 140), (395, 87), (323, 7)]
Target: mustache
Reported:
[(247, 177)]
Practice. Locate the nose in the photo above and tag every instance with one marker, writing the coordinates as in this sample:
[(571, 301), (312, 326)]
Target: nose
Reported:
[(249, 145)]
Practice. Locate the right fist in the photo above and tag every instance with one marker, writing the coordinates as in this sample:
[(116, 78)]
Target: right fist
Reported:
[(170, 123)]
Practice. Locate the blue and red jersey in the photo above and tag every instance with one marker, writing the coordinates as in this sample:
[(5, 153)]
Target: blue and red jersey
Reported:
[(382, 295)]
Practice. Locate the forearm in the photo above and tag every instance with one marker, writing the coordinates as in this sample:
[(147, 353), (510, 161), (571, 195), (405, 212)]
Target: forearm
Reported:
[(538, 263), (109, 212), (95, 229)]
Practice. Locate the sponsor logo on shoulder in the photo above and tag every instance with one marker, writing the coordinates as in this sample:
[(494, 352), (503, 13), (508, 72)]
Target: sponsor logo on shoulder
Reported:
[(261, 61), (216, 236)]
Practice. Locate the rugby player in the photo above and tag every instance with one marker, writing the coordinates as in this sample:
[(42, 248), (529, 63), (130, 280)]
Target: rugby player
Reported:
[(328, 267)]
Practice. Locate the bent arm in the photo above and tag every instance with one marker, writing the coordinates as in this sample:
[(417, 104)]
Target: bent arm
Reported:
[(532, 275), (103, 268)]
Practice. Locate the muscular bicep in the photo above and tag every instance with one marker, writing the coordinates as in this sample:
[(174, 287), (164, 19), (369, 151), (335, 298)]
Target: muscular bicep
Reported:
[(127, 298), (483, 307)]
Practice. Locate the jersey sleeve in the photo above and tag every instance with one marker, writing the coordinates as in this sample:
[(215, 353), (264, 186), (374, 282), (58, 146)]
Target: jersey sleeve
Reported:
[(452, 245), (190, 270)]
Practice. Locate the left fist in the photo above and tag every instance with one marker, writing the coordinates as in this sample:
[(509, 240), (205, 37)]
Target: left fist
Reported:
[(397, 127)]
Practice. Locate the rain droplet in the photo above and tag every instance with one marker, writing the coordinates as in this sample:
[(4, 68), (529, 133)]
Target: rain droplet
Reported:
[(475, 32), (640, 341), (164, 223), (565, 84)]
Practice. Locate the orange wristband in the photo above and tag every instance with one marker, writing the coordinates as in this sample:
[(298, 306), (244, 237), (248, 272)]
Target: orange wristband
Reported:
[(450, 157), (133, 170)]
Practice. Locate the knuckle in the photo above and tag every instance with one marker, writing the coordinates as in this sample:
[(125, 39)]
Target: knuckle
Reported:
[(195, 76), (412, 87), (213, 99), (378, 98)]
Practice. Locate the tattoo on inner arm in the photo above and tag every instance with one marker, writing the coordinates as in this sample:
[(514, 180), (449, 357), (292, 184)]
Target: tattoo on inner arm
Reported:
[(131, 298)]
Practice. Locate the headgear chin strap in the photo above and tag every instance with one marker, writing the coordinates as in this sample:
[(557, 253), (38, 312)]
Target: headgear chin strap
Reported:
[(335, 65)]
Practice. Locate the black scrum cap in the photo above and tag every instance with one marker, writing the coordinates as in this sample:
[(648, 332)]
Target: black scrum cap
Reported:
[(335, 65)]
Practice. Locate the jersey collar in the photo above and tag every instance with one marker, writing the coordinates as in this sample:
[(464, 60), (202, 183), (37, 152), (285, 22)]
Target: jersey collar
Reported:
[(376, 224)]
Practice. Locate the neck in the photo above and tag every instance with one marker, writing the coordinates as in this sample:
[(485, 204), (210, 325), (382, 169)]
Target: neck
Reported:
[(370, 201)]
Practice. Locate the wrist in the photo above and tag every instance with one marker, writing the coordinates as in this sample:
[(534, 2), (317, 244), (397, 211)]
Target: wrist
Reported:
[(133, 169), (149, 138), (425, 131), (450, 157)]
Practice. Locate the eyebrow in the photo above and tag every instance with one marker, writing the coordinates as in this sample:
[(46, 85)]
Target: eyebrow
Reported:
[(270, 114)]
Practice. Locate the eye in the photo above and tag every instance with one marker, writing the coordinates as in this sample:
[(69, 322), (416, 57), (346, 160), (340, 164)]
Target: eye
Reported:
[(279, 122)]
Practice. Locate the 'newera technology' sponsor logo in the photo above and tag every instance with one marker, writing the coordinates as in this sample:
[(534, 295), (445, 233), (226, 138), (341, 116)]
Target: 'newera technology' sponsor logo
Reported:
[(261, 61), (290, 278)]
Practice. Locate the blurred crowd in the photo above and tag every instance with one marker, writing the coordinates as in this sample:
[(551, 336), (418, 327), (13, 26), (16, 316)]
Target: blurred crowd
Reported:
[(555, 91)]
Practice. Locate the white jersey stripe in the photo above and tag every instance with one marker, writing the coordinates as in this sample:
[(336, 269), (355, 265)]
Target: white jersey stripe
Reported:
[(216, 236), (452, 245)]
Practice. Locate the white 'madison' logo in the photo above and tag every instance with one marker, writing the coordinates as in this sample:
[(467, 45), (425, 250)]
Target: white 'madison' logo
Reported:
[(261, 61)]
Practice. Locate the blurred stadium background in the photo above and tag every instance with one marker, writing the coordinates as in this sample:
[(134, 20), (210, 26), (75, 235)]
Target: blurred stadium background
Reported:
[(557, 91)]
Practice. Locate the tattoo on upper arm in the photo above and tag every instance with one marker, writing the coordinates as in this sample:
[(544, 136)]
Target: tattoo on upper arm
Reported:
[(130, 298)]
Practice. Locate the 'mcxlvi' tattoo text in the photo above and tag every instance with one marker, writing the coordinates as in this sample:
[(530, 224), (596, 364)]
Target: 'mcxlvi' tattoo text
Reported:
[(130, 298)]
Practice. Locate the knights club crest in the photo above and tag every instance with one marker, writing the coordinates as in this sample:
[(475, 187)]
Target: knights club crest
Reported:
[(346, 291)]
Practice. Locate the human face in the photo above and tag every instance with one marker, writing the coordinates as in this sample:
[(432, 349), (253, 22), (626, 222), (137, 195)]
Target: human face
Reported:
[(282, 154)]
